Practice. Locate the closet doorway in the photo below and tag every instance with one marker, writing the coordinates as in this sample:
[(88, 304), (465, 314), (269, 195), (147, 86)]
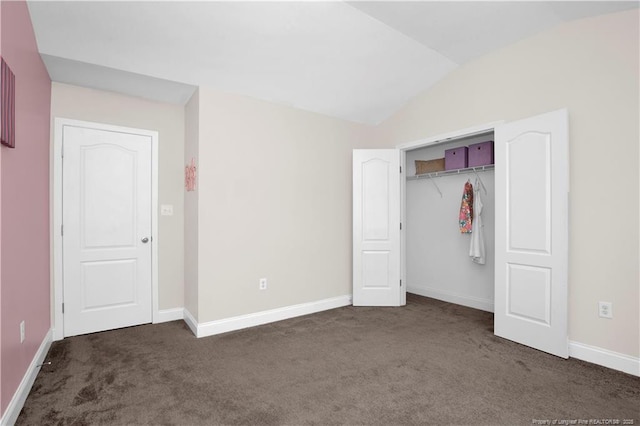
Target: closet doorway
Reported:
[(437, 247), (526, 253)]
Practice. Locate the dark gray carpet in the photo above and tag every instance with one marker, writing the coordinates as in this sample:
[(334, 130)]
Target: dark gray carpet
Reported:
[(427, 363)]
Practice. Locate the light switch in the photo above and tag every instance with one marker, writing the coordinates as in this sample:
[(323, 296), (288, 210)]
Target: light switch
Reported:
[(166, 210)]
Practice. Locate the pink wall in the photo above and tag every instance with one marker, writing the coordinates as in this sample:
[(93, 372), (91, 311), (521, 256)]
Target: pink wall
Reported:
[(24, 204)]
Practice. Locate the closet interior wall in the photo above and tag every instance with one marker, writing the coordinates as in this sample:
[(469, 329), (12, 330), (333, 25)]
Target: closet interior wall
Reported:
[(437, 254)]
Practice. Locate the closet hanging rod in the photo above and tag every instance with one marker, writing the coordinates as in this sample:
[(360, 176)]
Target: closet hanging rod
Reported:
[(452, 172)]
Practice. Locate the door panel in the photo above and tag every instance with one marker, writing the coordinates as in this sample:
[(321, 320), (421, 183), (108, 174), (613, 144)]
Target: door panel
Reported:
[(375, 269), (108, 187), (375, 200), (106, 216), (376, 228), (532, 183), (528, 290), (528, 199), (108, 283)]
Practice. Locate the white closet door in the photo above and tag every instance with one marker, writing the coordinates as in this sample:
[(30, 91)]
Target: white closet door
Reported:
[(532, 184), (376, 228)]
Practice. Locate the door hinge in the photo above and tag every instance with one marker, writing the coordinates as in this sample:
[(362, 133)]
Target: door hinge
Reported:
[(401, 226), (63, 308), (62, 230), (400, 283), (62, 151), (400, 169)]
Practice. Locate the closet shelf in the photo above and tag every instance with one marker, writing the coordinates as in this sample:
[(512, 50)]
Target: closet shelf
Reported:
[(452, 172)]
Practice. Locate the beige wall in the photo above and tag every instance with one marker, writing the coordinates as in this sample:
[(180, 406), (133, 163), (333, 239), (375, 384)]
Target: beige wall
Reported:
[(590, 67), (274, 202), (191, 140), (168, 119)]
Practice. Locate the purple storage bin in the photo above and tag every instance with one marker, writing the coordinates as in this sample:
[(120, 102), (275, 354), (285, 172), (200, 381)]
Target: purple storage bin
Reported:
[(481, 154), (455, 158)]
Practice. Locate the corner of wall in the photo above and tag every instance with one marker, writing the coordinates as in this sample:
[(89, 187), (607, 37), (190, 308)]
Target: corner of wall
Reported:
[(191, 207)]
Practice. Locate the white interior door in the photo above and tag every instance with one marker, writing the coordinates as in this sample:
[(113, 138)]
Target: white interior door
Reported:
[(107, 229), (532, 185), (376, 228)]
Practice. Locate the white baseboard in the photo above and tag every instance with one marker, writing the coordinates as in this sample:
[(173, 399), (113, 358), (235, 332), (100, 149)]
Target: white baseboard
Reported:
[(471, 302), (191, 322), (605, 358), (20, 396), (166, 315), (251, 320)]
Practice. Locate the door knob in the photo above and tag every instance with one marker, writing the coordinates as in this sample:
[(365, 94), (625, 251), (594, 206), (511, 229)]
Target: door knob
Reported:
[(145, 240)]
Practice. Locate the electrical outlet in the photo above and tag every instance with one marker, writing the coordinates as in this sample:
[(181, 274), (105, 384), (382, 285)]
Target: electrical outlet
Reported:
[(263, 284), (605, 309), (22, 332)]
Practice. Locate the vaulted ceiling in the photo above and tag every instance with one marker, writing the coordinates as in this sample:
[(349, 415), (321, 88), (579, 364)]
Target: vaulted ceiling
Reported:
[(360, 61)]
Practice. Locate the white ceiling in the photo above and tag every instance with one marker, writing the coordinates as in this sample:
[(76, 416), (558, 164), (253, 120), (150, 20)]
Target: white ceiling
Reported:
[(360, 61)]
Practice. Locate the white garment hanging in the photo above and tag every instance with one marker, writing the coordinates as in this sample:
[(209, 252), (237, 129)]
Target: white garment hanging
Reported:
[(476, 249)]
